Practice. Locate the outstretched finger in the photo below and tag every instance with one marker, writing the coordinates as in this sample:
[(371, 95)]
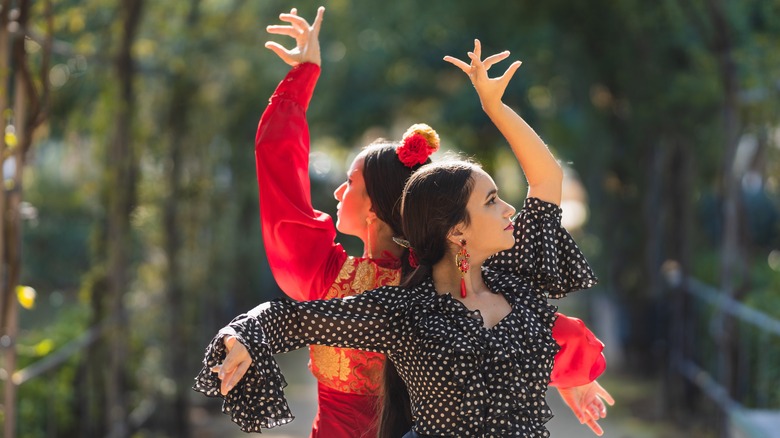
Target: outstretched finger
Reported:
[(477, 48), (605, 395), (298, 22), (507, 76), (318, 21), (577, 411), (279, 50), (235, 376), (282, 30), (475, 61), (493, 59), (598, 409), (458, 63), (223, 385), (594, 426)]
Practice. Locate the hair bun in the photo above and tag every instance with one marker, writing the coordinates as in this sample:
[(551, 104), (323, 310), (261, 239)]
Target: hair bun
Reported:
[(419, 142)]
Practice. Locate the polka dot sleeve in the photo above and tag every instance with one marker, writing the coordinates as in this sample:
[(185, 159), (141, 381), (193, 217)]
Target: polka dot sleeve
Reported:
[(545, 252), (257, 401)]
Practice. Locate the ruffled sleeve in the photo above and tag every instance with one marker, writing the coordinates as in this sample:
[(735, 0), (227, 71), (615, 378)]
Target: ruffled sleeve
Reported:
[(545, 252), (257, 401), (579, 360), (299, 240)]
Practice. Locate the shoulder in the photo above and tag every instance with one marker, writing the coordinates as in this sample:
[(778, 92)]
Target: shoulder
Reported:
[(358, 275)]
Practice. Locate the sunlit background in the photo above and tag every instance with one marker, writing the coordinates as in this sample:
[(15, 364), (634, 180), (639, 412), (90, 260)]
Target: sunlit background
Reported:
[(130, 228)]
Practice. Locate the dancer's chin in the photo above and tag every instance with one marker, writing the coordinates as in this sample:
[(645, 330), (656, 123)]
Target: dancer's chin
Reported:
[(341, 229)]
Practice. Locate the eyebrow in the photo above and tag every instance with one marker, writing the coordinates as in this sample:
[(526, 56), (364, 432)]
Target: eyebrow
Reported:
[(491, 193)]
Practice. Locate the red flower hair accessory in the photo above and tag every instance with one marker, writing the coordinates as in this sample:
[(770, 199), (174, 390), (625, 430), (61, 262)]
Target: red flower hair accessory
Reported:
[(419, 142), (413, 258), (413, 262)]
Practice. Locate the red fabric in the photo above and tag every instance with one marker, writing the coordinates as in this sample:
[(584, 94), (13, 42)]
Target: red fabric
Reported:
[(305, 260), (299, 240), (341, 415), (580, 360)]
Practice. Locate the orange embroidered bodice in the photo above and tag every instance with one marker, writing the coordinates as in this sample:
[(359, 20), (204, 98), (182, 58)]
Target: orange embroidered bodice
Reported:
[(344, 369)]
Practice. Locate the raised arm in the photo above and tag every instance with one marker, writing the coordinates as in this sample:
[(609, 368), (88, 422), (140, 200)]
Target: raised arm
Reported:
[(544, 174), (299, 240)]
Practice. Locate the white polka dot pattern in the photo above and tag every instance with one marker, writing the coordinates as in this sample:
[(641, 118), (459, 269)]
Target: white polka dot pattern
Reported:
[(545, 252), (463, 379)]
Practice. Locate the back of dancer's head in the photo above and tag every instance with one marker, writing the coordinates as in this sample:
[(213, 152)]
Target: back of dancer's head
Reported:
[(388, 165), (434, 201), (385, 177)]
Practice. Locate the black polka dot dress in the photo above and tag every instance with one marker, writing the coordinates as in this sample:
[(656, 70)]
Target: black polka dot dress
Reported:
[(463, 379)]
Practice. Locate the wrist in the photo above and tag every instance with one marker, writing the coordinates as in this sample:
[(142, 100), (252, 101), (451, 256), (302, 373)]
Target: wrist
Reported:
[(312, 56), (492, 107)]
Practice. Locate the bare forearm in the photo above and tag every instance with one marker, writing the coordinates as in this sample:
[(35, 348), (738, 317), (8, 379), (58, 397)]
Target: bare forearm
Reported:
[(541, 169)]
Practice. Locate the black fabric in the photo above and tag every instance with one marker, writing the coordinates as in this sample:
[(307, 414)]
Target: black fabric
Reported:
[(463, 379)]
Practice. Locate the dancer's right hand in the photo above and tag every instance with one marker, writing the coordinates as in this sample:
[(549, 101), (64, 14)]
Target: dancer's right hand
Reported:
[(588, 404), (234, 366), (307, 43)]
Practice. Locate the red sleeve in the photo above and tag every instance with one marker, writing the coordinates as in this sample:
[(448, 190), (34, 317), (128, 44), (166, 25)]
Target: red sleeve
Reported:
[(299, 241), (580, 360)]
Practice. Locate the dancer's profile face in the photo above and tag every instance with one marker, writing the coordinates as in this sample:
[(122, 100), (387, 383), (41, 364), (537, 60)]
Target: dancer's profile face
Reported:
[(490, 228), (354, 204)]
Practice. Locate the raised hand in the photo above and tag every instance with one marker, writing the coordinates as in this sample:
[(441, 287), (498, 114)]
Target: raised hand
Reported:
[(490, 90), (587, 403), (234, 366), (307, 43)]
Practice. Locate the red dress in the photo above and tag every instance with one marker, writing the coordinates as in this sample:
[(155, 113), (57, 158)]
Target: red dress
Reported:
[(308, 264)]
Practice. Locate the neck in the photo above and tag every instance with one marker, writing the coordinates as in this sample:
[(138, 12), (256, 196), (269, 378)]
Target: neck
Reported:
[(446, 277), (381, 242)]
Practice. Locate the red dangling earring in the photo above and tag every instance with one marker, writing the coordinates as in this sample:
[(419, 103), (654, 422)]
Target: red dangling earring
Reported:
[(462, 261)]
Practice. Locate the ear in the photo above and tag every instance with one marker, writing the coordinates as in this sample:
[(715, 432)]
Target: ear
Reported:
[(371, 216), (455, 235)]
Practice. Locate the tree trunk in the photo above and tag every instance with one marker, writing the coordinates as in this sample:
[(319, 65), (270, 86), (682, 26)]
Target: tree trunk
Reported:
[(102, 404), (122, 199), (4, 69), (27, 110), (7, 297), (183, 86)]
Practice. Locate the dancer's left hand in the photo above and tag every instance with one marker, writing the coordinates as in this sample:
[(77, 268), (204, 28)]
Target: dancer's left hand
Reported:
[(490, 90), (236, 363), (587, 403)]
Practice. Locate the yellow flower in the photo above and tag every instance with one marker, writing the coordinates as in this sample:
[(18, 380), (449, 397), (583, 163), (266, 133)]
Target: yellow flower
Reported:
[(26, 296), (10, 139)]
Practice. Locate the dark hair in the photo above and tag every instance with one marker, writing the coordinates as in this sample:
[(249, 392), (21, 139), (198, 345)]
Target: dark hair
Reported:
[(385, 177), (434, 200)]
